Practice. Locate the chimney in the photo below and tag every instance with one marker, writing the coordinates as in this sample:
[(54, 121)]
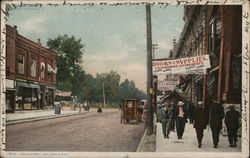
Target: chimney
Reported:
[(39, 41), (174, 43), (15, 31)]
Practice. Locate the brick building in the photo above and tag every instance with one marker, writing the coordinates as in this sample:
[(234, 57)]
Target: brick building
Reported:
[(213, 30), (30, 73)]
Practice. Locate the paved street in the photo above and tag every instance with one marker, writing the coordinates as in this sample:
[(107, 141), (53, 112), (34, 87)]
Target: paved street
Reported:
[(87, 132)]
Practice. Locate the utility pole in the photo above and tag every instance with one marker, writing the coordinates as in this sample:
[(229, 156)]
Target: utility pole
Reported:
[(103, 92), (149, 123), (154, 47)]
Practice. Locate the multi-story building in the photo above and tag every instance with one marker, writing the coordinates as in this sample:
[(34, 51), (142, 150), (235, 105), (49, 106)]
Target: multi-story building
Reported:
[(213, 30), (30, 73)]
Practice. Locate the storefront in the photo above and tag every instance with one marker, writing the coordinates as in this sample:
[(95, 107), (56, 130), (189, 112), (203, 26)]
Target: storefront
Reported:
[(27, 96), (10, 95)]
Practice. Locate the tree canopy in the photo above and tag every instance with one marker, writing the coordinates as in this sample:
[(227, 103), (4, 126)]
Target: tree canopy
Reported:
[(71, 76), (70, 52)]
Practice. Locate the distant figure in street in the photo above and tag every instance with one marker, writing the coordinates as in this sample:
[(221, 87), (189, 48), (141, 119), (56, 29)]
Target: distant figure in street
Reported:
[(216, 117), (166, 115), (173, 120), (200, 122), (99, 109), (74, 107), (180, 119), (232, 124)]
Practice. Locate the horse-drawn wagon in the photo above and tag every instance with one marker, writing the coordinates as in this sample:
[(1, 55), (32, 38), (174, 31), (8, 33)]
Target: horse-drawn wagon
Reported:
[(131, 110)]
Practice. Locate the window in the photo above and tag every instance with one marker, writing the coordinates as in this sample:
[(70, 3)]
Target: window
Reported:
[(20, 65), (236, 72), (33, 67), (42, 70), (215, 39)]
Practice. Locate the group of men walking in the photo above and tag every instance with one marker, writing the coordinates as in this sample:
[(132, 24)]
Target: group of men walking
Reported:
[(169, 114)]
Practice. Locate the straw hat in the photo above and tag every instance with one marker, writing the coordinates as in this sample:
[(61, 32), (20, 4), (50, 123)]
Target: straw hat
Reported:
[(200, 102), (180, 103)]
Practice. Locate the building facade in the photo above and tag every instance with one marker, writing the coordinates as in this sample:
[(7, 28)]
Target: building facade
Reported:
[(217, 31), (30, 73)]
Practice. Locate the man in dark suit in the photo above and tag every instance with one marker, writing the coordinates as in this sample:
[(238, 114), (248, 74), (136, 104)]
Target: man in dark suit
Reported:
[(232, 124), (166, 115), (216, 117), (181, 119), (200, 122)]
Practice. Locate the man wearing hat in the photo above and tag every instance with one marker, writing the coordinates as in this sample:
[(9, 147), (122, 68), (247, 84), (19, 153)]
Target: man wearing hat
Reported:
[(158, 111), (173, 116), (232, 124), (180, 114), (216, 117), (166, 112), (200, 122)]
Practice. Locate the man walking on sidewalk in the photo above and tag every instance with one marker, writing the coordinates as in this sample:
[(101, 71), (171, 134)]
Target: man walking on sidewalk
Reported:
[(200, 122), (180, 119), (166, 115), (173, 120), (216, 117), (232, 123)]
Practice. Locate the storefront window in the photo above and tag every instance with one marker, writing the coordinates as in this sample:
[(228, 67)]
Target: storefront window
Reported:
[(20, 65)]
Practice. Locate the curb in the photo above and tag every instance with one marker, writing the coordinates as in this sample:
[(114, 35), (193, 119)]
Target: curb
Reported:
[(140, 144), (12, 122)]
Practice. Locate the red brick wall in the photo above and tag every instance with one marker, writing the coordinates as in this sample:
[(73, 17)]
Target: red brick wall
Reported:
[(17, 44)]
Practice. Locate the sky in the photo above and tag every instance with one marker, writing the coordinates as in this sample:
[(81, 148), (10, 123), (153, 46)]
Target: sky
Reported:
[(114, 36)]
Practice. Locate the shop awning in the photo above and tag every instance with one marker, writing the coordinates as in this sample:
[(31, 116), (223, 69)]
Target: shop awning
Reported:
[(50, 87), (171, 95), (50, 69), (27, 85), (184, 89)]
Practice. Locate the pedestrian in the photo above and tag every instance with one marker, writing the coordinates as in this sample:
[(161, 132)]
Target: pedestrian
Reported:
[(200, 122), (191, 112), (216, 117), (99, 109), (158, 112), (232, 124), (173, 120), (166, 115), (181, 119)]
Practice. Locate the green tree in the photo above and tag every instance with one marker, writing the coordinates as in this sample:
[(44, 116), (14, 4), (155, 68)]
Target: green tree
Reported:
[(70, 51), (128, 90), (110, 81)]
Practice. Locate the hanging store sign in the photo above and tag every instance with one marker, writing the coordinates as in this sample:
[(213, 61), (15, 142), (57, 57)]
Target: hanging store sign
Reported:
[(63, 93), (191, 65), (166, 85), (10, 83)]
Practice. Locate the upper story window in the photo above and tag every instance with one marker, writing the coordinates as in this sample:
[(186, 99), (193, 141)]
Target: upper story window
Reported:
[(42, 70), (20, 64), (215, 39), (33, 68)]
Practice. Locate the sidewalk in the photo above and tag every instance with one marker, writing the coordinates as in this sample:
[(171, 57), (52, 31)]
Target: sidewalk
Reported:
[(35, 115), (189, 141)]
